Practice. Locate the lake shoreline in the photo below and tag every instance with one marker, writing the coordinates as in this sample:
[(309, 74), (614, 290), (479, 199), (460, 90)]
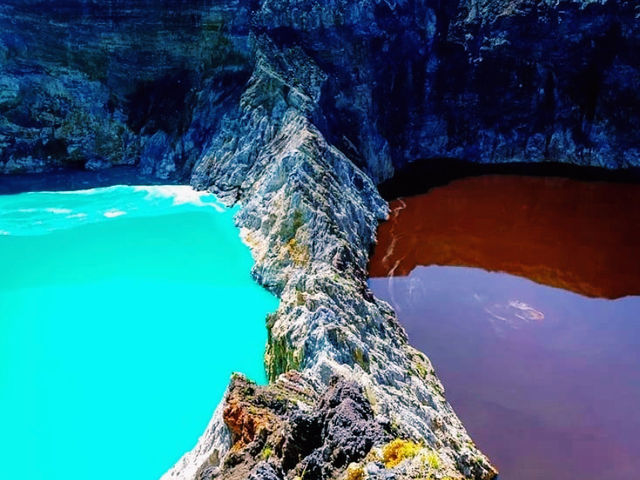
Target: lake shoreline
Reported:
[(69, 180)]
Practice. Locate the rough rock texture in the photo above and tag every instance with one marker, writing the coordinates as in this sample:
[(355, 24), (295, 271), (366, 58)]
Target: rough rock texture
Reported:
[(488, 80), (294, 108), (287, 429), (310, 215), (89, 84)]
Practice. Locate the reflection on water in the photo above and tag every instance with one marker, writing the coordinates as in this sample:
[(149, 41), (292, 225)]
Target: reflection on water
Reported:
[(581, 236), (546, 380)]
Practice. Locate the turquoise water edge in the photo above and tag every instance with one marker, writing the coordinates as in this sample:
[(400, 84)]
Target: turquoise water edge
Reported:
[(123, 312)]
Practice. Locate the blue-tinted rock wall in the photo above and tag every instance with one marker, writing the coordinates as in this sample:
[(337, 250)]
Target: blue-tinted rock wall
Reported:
[(90, 84)]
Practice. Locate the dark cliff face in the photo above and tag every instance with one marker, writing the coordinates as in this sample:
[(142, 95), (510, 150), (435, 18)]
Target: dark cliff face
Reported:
[(91, 84), (488, 81)]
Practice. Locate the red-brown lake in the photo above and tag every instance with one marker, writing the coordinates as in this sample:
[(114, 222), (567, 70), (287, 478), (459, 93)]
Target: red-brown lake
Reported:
[(524, 292)]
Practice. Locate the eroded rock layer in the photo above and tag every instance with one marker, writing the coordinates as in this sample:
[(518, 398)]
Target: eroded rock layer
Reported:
[(91, 84), (309, 215), (95, 83)]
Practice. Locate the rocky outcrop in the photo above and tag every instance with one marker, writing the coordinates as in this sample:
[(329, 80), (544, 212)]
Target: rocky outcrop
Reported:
[(310, 215), (86, 84), (488, 80), (286, 429)]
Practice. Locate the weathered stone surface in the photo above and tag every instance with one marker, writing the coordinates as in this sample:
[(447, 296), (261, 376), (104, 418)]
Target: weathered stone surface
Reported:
[(282, 431), (488, 81), (89, 83), (310, 215)]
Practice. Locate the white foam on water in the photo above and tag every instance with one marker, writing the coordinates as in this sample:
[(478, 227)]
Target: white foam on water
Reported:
[(114, 213), (59, 211), (182, 195), (44, 212), (4, 232), (88, 191), (527, 312)]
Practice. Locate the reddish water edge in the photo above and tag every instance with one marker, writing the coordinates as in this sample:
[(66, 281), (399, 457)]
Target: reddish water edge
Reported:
[(581, 236), (546, 379)]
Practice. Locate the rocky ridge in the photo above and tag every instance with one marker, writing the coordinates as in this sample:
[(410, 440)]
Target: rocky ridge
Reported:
[(310, 215)]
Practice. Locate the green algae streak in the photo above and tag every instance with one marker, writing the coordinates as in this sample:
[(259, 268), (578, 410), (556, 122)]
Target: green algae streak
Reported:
[(123, 313)]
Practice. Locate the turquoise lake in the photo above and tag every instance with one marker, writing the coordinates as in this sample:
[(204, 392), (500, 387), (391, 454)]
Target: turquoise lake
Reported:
[(123, 313)]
